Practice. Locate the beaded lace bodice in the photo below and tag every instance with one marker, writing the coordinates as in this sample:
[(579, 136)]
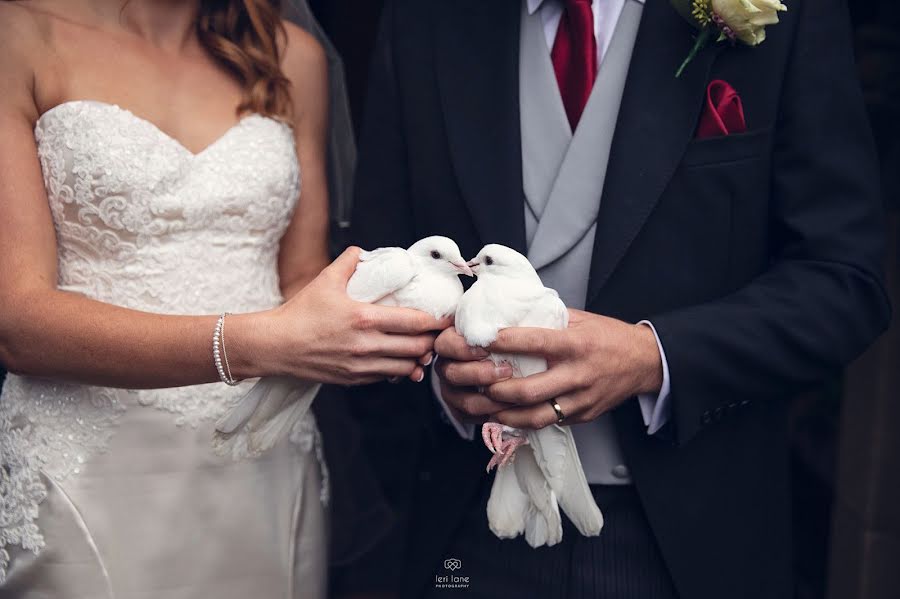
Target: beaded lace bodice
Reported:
[(142, 222)]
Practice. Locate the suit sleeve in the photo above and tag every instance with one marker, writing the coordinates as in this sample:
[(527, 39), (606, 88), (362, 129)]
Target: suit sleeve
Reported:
[(822, 301), (387, 414)]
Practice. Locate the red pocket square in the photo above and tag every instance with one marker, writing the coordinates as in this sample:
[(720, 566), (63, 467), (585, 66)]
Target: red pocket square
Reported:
[(723, 113)]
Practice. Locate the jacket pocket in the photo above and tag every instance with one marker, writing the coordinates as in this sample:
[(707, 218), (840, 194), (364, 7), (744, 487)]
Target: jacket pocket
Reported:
[(727, 148)]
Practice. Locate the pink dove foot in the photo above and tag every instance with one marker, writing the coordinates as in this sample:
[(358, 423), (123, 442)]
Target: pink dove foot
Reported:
[(492, 435), (504, 449)]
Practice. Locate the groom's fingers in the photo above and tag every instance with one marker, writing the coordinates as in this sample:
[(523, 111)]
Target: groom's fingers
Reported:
[(539, 416), (531, 341), (472, 374), (534, 389), (452, 345), (473, 406)]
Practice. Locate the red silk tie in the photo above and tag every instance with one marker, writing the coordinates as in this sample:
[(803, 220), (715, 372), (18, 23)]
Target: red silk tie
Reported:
[(575, 57)]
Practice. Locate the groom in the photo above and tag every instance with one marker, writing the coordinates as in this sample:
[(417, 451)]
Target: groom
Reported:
[(721, 232)]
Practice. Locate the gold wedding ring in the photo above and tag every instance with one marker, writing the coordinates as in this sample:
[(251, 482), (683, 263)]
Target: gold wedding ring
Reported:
[(559, 413)]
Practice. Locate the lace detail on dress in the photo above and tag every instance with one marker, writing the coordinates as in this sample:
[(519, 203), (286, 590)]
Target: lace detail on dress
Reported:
[(193, 405), (51, 428), (21, 491), (144, 223)]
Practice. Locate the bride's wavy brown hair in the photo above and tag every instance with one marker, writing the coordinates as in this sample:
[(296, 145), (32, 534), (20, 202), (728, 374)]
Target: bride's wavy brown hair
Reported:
[(243, 36)]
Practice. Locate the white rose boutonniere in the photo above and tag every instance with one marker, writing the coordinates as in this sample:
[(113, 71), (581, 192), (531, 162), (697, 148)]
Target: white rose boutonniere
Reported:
[(728, 20)]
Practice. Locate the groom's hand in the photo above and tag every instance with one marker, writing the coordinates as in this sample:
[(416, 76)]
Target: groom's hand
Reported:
[(594, 365), (464, 372)]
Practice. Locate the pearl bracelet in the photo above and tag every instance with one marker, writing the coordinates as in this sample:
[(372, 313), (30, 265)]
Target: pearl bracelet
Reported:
[(220, 357)]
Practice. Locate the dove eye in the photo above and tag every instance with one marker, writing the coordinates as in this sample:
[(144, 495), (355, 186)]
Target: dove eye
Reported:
[(435, 254), (488, 260)]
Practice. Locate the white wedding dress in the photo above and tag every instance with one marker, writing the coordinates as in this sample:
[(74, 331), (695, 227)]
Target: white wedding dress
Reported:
[(112, 493)]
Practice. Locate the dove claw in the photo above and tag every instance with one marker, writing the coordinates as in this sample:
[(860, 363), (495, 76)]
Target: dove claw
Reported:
[(504, 450), (509, 448), (486, 437), (497, 436), (495, 461), (492, 435)]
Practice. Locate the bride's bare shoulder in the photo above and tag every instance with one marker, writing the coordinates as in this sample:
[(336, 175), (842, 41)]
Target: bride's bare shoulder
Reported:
[(23, 25), (305, 64), (301, 51), (23, 41)]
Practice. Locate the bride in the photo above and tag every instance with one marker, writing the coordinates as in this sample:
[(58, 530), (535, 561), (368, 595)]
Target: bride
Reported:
[(151, 154)]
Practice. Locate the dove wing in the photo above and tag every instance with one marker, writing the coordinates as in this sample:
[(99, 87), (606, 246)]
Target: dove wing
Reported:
[(547, 312), (380, 273), (261, 417), (479, 315)]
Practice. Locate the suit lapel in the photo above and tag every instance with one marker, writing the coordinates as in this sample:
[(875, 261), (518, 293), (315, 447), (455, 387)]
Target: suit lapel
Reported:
[(656, 122), (477, 54)]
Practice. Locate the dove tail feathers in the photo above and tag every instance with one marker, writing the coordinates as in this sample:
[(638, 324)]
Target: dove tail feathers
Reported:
[(557, 457), (522, 501), (261, 418), (543, 523), (507, 505)]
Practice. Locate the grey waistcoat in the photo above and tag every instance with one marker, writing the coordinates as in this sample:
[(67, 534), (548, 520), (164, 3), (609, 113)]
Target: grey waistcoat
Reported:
[(563, 177)]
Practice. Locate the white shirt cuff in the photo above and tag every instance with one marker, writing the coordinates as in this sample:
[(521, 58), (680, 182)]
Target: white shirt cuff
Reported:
[(656, 409), (464, 430)]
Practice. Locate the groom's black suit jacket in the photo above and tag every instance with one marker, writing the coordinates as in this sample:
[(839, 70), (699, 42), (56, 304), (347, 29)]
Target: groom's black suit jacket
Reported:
[(756, 256)]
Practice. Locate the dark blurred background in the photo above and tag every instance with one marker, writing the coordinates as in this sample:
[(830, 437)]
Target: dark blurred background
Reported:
[(846, 453), (846, 445)]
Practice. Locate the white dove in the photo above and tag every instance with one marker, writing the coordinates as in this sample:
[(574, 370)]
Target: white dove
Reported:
[(424, 277), (547, 472)]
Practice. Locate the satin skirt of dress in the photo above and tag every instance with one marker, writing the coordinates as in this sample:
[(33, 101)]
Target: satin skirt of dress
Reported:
[(158, 515)]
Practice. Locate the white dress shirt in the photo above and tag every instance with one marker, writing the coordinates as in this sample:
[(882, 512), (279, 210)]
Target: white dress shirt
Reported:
[(655, 409)]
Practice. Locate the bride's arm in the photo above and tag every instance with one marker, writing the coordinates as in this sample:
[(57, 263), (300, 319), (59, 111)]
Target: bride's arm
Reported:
[(304, 247), (319, 334)]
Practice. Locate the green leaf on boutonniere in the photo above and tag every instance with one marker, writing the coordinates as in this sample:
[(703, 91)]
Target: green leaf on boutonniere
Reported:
[(703, 38), (699, 14)]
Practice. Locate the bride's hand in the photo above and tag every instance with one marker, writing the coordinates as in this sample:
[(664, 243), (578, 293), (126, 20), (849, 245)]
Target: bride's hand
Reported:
[(321, 334)]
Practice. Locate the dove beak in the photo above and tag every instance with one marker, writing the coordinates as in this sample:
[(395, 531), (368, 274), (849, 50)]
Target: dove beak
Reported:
[(473, 267), (463, 268)]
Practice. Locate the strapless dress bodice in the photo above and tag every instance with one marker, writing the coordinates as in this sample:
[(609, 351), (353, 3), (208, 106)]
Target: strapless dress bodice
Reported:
[(143, 222)]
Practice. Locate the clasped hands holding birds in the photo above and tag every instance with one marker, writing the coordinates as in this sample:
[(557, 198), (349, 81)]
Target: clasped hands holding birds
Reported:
[(593, 366), (574, 365)]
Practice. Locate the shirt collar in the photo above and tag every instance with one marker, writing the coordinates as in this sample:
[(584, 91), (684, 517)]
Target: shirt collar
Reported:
[(534, 5)]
